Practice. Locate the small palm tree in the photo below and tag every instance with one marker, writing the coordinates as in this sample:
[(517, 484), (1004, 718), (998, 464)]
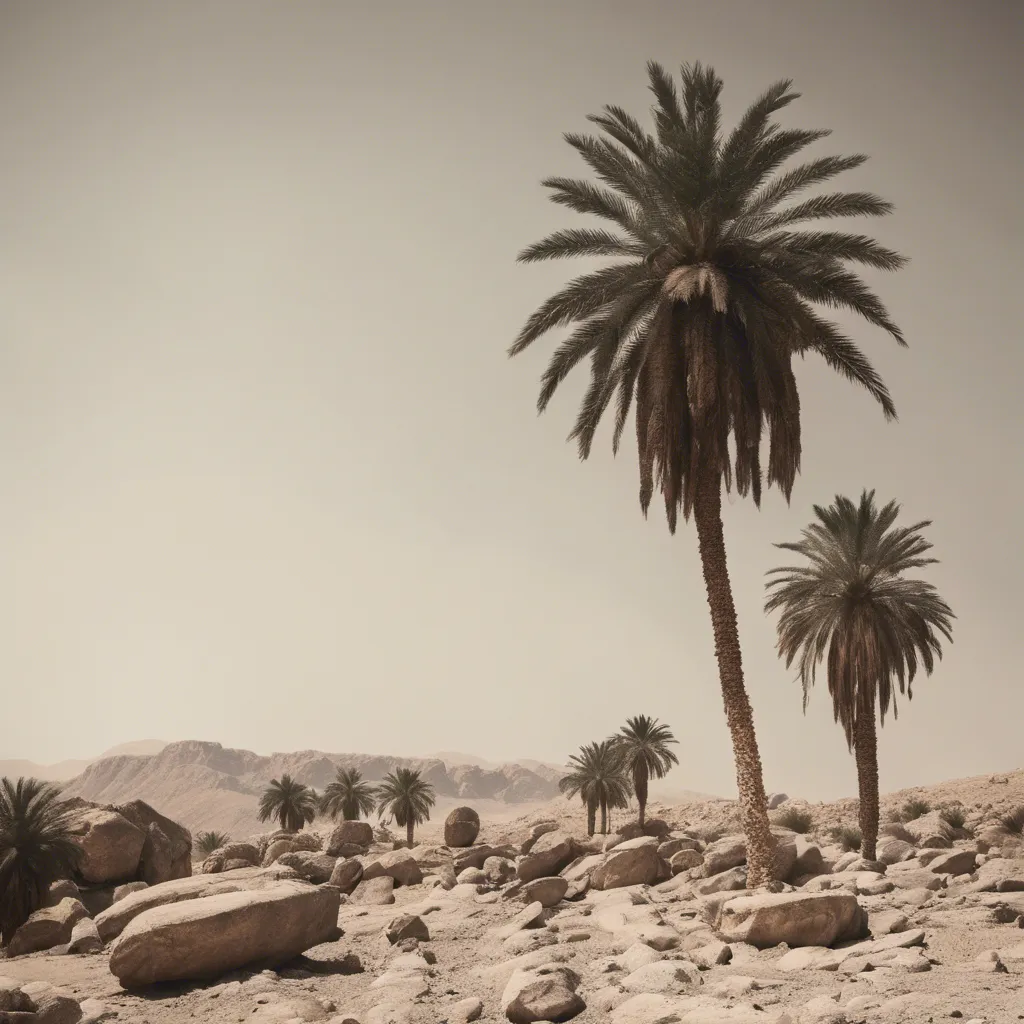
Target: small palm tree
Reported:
[(291, 802), (36, 849), (207, 842), (406, 797), (853, 602), (597, 775), (715, 292), (349, 796), (643, 745)]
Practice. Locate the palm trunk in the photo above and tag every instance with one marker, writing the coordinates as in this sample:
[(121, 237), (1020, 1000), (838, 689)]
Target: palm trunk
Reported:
[(640, 788), (865, 746), (604, 818), (749, 779), (409, 826), (591, 818)]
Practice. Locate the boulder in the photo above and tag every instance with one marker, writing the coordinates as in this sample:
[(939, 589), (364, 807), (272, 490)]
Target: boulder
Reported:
[(628, 864), (220, 860), (473, 857), (346, 874), (167, 850), (206, 938), (313, 867), (1000, 875), (111, 845), (461, 827), (59, 890), (499, 870), (112, 921), (47, 927), (127, 889), (726, 853), (407, 926), (547, 891), (349, 834), (276, 849), (893, 851), (956, 862), (809, 859), (398, 864), (776, 800), (374, 892), (545, 993), (724, 881), (548, 855), (685, 860), (535, 832), (54, 1006), (85, 937), (798, 919)]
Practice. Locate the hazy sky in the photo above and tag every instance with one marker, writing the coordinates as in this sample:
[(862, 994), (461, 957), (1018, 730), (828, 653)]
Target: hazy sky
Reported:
[(268, 476)]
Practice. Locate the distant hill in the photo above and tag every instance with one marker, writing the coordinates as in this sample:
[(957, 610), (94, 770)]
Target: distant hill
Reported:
[(64, 770), (205, 786)]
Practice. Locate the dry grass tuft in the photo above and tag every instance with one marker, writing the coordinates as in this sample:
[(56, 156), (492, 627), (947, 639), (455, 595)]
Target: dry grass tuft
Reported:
[(796, 819), (847, 837)]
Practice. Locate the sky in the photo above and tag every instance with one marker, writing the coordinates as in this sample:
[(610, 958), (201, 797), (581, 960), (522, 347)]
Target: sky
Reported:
[(269, 477)]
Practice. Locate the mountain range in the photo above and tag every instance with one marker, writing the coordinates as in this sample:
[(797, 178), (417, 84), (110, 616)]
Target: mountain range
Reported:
[(207, 786)]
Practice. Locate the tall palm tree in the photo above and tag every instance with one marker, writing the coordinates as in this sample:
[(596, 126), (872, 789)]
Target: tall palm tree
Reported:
[(853, 602), (597, 776), (406, 797), (643, 745), (36, 849), (349, 796), (292, 803), (713, 295)]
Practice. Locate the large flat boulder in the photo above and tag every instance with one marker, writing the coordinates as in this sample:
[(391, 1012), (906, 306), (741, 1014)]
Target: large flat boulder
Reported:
[(796, 918), (111, 845), (112, 921), (313, 867), (205, 938)]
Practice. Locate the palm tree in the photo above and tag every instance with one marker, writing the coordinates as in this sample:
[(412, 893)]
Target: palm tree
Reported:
[(597, 776), (406, 797), (36, 849), (207, 842), (293, 803), (348, 796), (853, 602), (712, 298), (643, 744)]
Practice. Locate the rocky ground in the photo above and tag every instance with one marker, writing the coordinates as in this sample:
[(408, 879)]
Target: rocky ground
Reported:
[(536, 921)]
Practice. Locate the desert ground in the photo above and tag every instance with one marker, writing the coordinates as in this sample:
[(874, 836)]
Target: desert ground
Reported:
[(606, 928)]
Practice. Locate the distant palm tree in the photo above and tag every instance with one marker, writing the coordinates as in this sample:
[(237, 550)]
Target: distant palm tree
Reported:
[(853, 602), (643, 745), (36, 849), (207, 842), (713, 297), (406, 797), (597, 776), (291, 802), (349, 796)]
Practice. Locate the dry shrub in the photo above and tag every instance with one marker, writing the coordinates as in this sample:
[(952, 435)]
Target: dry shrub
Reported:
[(897, 830), (847, 837), (796, 819)]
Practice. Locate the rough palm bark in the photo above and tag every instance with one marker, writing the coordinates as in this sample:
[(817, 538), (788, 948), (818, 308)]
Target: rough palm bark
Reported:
[(749, 779), (410, 825), (604, 818), (591, 817), (640, 788), (865, 749)]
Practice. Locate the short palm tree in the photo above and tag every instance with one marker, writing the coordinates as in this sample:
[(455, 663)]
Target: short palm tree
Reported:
[(853, 604), (292, 803), (349, 796), (406, 797), (597, 776), (643, 744), (713, 297), (36, 849), (207, 842)]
